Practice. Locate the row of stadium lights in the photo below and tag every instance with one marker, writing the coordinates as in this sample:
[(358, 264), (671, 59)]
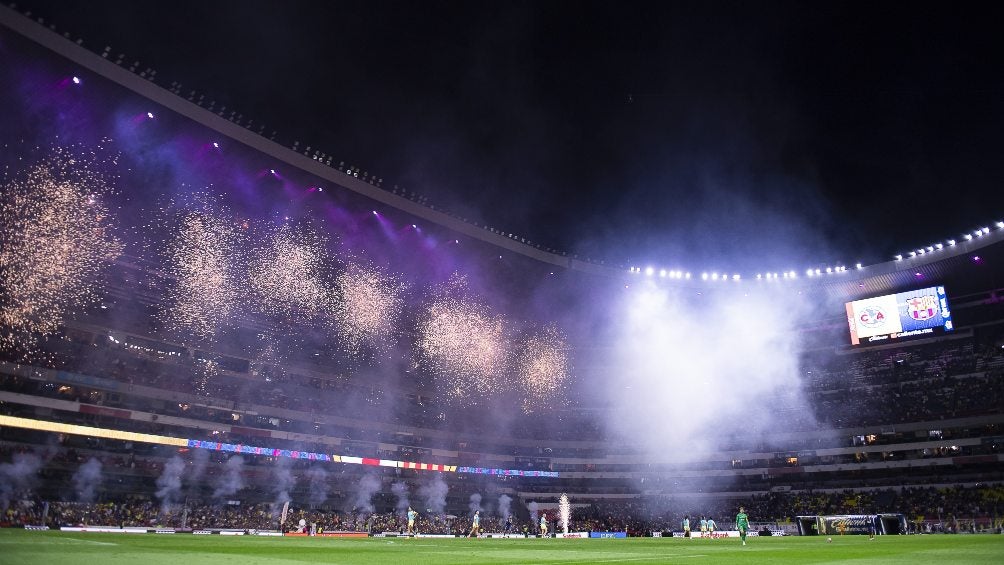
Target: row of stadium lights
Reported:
[(951, 242), (817, 272), (791, 275)]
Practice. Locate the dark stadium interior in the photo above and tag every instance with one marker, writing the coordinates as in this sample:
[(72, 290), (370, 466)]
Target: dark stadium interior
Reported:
[(264, 295)]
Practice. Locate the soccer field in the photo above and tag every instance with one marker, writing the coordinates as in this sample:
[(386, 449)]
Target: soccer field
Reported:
[(54, 548)]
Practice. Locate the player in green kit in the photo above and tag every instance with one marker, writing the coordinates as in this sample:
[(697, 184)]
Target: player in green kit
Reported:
[(742, 523), (411, 521)]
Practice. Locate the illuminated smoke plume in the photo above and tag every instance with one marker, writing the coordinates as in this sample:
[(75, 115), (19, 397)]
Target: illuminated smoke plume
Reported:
[(232, 479), (543, 369), (203, 256), (368, 486), (287, 274), (690, 369), (318, 484), (56, 238), (87, 479), (367, 307), (282, 482), (434, 494), (400, 490), (169, 482), (534, 512), (474, 503), (465, 345), (17, 477), (505, 506)]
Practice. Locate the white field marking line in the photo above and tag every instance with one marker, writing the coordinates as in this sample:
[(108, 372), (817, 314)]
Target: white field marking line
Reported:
[(88, 541), (616, 560)]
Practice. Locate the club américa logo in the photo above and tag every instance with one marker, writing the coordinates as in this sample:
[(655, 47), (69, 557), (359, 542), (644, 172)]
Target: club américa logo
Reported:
[(872, 317)]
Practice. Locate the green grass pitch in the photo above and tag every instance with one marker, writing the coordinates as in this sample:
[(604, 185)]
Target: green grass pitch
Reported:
[(55, 548)]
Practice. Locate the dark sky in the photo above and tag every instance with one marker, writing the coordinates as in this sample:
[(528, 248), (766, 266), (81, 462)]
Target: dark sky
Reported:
[(689, 134)]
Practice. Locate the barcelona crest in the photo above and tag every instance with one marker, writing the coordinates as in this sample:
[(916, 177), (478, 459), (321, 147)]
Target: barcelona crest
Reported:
[(922, 307)]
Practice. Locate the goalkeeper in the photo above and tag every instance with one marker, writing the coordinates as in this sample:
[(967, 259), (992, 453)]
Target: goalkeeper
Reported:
[(742, 523)]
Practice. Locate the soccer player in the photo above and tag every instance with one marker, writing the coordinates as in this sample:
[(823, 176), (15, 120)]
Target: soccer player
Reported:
[(543, 525), (475, 524), (742, 523), (686, 526), (704, 526), (411, 521), (711, 527)]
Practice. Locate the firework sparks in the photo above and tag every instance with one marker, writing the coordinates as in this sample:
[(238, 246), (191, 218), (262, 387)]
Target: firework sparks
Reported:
[(201, 258), (55, 241), (368, 306), (543, 369), (287, 275), (464, 345)]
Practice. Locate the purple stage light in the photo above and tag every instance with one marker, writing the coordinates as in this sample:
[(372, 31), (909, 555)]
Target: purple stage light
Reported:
[(216, 145), (976, 259), (149, 115), (76, 80)]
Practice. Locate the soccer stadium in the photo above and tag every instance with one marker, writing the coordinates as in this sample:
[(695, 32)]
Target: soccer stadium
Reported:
[(209, 331)]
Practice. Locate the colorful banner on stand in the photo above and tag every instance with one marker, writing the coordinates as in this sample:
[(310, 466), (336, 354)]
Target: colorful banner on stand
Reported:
[(74, 429)]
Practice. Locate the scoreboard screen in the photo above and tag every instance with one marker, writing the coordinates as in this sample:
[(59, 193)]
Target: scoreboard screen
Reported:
[(905, 315)]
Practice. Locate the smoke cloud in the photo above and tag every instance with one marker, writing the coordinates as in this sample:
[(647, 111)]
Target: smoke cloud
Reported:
[(282, 483), (232, 479), (169, 482), (534, 515), (318, 485), (87, 479), (434, 494), (505, 506), (400, 490), (475, 503), (18, 476), (690, 369), (367, 487)]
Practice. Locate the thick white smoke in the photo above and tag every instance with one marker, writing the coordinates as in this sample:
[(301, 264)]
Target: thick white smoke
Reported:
[(87, 479), (282, 482), (169, 482), (400, 490), (434, 494), (367, 487), (505, 506), (232, 479), (318, 484), (691, 367), (18, 476), (475, 503)]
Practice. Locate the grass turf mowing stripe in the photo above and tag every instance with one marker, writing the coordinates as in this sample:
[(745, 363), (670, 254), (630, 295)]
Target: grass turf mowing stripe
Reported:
[(57, 548)]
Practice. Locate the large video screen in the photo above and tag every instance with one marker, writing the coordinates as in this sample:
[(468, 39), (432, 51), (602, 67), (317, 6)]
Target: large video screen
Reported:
[(905, 315)]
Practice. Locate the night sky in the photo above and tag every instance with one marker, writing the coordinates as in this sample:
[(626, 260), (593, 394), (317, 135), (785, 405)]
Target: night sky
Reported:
[(682, 134)]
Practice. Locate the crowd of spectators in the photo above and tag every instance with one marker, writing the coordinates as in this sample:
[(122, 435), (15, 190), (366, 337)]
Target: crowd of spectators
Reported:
[(981, 507)]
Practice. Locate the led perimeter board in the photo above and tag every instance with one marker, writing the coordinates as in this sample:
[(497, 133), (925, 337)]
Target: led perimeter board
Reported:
[(905, 315)]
